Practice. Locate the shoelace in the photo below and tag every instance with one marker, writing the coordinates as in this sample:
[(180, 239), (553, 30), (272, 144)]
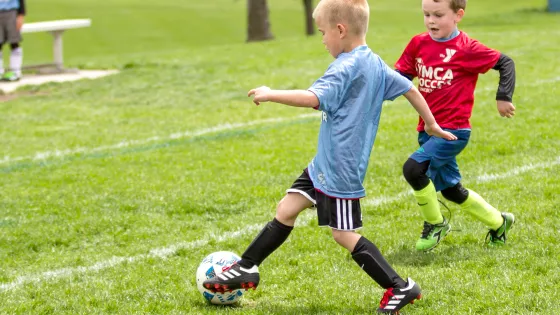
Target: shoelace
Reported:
[(493, 235), (386, 297), (229, 267), (428, 227)]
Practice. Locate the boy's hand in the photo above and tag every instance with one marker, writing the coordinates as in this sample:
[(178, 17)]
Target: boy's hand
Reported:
[(260, 93), (506, 109), (435, 130), (19, 22)]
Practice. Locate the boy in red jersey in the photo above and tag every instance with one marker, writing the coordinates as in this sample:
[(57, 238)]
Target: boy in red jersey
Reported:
[(447, 63)]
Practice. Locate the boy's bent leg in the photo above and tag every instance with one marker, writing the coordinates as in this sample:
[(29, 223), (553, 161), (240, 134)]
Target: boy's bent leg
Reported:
[(498, 223), (244, 274), (398, 292), (476, 206)]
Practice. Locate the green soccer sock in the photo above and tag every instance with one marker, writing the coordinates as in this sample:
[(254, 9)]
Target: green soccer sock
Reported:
[(428, 202), (482, 211)]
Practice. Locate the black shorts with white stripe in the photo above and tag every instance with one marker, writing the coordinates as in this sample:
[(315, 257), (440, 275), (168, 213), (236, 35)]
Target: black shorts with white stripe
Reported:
[(340, 214)]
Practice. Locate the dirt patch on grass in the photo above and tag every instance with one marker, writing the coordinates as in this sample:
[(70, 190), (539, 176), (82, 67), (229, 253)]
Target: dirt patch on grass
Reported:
[(12, 96)]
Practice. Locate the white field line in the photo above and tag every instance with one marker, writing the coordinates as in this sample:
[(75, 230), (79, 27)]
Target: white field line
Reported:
[(128, 143), (162, 253), (518, 170), (479, 179), (41, 156), (187, 134), (166, 252)]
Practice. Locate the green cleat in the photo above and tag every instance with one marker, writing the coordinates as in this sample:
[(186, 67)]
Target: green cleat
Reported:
[(432, 235), (10, 76), (498, 237)]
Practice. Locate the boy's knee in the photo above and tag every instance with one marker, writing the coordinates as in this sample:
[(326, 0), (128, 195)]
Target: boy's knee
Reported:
[(346, 239), (338, 236), (415, 173), (290, 206), (284, 211), (457, 194)]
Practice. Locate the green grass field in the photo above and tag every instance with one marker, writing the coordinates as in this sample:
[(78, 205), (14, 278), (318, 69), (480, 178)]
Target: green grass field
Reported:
[(113, 190)]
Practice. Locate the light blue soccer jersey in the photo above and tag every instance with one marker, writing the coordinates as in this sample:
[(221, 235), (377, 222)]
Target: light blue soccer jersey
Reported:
[(6, 5), (351, 94)]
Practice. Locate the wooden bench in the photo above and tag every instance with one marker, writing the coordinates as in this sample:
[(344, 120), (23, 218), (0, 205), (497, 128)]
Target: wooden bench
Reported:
[(56, 28)]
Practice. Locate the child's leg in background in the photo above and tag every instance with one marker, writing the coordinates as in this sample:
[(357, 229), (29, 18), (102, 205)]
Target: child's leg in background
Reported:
[(10, 34), (16, 59), (1, 59), (3, 38)]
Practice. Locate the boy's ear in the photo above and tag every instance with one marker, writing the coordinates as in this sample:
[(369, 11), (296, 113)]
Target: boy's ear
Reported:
[(459, 15), (342, 30)]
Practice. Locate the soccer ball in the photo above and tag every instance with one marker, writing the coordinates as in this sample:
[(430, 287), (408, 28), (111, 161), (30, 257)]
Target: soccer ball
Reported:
[(210, 266)]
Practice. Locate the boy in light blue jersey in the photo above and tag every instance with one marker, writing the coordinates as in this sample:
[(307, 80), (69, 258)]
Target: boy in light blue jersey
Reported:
[(350, 95), (12, 13)]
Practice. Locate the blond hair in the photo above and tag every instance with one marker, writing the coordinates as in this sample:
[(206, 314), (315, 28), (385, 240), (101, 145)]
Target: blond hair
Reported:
[(353, 13), (455, 5)]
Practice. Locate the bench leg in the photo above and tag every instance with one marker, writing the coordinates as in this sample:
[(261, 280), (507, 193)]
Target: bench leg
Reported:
[(57, 49)]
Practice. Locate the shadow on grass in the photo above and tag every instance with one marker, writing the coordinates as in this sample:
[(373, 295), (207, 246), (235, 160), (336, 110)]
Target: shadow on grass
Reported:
[(444, 255), (320, 307)]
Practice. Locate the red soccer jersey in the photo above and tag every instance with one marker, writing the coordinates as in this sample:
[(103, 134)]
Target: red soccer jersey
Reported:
[(447, 73)]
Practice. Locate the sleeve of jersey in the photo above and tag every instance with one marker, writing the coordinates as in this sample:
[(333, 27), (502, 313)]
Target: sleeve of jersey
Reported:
[(406, 64), (480, 58), (328, 89), (395, 84)]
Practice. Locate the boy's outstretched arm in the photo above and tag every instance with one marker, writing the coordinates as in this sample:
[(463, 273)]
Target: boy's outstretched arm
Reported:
[(419, 103), (504, 96), (296, 98)]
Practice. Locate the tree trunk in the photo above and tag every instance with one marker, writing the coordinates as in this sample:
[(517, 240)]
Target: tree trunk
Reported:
[(309, 25), (258, 27)]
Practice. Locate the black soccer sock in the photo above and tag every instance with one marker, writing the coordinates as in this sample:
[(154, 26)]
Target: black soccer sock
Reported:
[(269, 239), (369, 258)]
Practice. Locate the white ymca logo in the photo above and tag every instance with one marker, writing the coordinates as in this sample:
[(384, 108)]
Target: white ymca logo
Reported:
[(449, 52)]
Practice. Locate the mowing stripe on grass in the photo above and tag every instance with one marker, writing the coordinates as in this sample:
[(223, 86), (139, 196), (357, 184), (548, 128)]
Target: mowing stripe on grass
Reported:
[(166, 252), (41, 156)]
